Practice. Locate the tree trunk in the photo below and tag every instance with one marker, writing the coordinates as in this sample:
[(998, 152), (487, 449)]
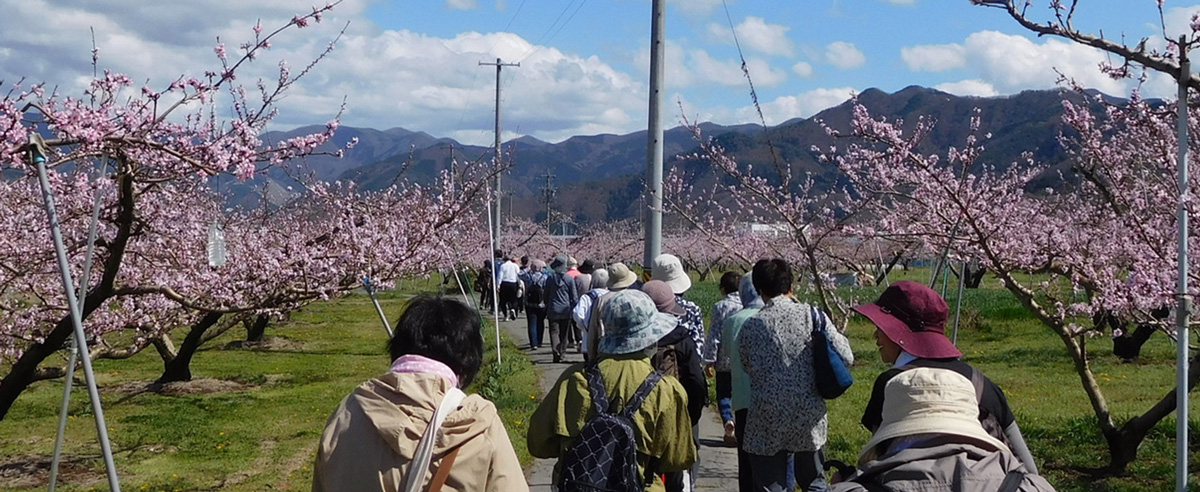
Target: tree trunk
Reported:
[(974, 272), (164, 346), (24, 370), (883, 272), (255, 330), (179, 368), (1123, 444)]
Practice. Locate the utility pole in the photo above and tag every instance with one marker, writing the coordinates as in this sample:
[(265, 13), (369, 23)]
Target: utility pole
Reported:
[(654, 135), (548, 192), (496, 156), (453, 171), (1183, 305)]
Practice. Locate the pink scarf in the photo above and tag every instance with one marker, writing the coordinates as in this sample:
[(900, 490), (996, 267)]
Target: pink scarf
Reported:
[(417, 364)]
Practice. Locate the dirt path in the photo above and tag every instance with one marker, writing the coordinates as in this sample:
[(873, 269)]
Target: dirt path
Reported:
[(718, 464)]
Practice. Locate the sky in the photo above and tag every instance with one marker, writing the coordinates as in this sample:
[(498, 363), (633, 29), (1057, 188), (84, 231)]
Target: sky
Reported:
[(584, 64)]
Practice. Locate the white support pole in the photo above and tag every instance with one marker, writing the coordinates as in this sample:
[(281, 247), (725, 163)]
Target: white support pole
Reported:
[(1184, 304), (370, 288), (962, 279), (495, 292), (68, 382), (39, 160)]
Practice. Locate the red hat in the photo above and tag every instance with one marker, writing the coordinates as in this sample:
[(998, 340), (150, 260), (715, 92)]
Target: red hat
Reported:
[(913, 316)]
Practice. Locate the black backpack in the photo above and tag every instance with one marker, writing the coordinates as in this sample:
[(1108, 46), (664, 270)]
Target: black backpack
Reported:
[(533, 294), (604, 454)]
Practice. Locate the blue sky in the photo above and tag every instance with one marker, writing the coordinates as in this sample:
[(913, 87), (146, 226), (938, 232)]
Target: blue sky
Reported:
[(414, 64)]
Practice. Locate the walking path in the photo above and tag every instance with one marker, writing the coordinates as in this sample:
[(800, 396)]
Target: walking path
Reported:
[(718, 463)]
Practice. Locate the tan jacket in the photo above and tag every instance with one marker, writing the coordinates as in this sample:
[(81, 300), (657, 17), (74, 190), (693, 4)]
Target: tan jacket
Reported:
[(372, 436)]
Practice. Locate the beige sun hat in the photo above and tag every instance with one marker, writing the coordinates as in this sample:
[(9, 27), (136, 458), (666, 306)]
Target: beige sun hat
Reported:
[(620, 276), (668, 268), (929, 401)]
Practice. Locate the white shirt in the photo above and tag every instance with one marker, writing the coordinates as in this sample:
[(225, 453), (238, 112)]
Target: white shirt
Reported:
[(509, 271)]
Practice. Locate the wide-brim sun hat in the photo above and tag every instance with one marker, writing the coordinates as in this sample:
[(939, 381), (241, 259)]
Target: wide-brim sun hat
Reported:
[(667, 267), (927, 400), (914, 316), (620, 276), (631, 323)]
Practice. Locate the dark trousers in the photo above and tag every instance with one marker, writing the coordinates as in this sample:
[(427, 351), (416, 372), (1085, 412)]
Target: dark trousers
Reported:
[(508, 297), (775, 473), (724, 394), (559, 330), (535, 321), (745, 480)]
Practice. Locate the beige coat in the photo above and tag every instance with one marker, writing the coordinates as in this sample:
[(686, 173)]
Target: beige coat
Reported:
[(372, 436)]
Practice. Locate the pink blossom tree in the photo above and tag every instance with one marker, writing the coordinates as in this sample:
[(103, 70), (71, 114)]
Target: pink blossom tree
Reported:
[(153, 271)]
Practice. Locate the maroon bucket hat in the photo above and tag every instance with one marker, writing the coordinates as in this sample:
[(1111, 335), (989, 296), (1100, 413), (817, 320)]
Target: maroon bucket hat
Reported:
[(913, 316)]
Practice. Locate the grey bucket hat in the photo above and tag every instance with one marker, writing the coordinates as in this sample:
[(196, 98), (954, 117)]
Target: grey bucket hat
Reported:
[(632, 323)]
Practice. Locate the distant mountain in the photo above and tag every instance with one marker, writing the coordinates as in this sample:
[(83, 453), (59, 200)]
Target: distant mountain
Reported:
[(599, 177)]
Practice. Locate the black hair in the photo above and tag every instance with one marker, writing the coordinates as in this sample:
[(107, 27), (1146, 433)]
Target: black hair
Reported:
[(729, 282), (443, 329), (524, 260), (772, 277)]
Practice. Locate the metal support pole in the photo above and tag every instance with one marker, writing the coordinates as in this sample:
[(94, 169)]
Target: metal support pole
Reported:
[(370, 288), (654, 134), (1184, 304), (495, 290), (68, 382), (962, 280), (39, 160)]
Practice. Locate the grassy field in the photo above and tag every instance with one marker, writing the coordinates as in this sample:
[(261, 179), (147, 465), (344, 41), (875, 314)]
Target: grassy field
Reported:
[(258, 431)]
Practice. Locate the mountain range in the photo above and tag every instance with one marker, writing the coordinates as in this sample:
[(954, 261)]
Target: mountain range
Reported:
[(599, 177)]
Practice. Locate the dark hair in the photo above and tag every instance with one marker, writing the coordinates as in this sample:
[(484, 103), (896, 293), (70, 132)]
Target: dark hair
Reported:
[(729, 282), (524, 260), (772, 277), (442, 329)]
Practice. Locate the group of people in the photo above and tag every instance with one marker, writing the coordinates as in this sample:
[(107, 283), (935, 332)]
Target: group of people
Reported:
[(626, 418)]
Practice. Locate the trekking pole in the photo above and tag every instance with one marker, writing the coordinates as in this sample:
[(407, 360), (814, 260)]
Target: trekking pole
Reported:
[(378, 309), (37, 154), (83, 290)]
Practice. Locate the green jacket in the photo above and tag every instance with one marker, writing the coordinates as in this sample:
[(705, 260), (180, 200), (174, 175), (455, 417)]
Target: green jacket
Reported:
[(740, 382), (664, 431)]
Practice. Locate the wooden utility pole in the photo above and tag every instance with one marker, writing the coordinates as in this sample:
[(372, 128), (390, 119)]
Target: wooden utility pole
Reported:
[(497, 154)]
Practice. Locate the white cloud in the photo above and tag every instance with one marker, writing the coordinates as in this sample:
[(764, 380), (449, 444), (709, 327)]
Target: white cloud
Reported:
[(803, 69), (462, 4), (1012, 63), (933, 57), (755, 34), (691, 67), (388, 78), (972, 87), (844, 55), (798, 106)]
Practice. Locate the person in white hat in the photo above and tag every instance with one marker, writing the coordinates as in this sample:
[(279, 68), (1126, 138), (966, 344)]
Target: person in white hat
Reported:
[(931, 439), (669, 269)]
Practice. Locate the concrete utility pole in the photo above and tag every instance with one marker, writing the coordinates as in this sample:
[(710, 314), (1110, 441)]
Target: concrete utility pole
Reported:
[(496, 157), (654, 133), (548, 192)]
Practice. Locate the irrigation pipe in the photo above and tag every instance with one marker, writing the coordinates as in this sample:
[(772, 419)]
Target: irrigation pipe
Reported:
[(83, 289), (37, 154)]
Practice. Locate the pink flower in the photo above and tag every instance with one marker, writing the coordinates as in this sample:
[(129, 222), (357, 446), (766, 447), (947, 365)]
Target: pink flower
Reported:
[(220, 51)]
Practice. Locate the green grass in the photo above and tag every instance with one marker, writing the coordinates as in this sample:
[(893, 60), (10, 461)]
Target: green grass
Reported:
[(260, 438)]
